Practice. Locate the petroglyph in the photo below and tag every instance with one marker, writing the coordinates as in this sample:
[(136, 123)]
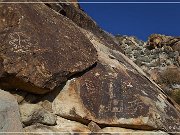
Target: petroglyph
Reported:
[(20, 42), (117, 100)]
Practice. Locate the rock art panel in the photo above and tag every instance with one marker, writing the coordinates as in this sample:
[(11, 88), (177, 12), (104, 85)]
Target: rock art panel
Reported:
[(40, 49), (116, 92)]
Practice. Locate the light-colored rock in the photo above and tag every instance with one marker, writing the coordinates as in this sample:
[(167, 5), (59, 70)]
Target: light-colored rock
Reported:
[(9, 114), (93, 127), (71, 126), (64, 127), (34, 113), (124, 131)]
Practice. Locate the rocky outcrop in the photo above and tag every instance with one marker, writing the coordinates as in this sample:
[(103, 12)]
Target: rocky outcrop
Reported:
[(40, 49), (9, 114), (116, 93), (158, 41), (87, 84)]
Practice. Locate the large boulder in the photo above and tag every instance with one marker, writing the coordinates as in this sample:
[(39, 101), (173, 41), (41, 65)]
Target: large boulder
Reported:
[(9, 114), (117, 92), (39, 48)]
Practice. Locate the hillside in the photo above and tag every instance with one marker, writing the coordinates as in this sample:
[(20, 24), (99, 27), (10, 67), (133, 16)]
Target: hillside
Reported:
[(159, 58), (61, 73)]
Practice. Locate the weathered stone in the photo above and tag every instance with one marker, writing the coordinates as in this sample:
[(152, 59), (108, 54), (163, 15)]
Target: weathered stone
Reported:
[(63, 126), (84, 21), (93, 127), (33, 113), (123, 131), (9, 114), (117, 92), (158, 40), (71, 126), (40, 129), (39, 48), (47, 105)]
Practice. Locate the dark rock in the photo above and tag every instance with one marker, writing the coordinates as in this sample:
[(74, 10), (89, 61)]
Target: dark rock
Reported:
[(116, 92), (84, 21), (40, 49)]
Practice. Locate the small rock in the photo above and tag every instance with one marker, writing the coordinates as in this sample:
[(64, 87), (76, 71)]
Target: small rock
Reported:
[(34, 113), (93, 127), (47, 105)]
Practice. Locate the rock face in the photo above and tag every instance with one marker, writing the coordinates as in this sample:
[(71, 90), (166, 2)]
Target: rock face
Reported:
[(116, 93), (84, 21), (9, 114), (40, 49)]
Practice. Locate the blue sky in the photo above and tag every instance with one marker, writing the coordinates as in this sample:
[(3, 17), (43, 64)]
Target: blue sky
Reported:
[(139, 20)]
